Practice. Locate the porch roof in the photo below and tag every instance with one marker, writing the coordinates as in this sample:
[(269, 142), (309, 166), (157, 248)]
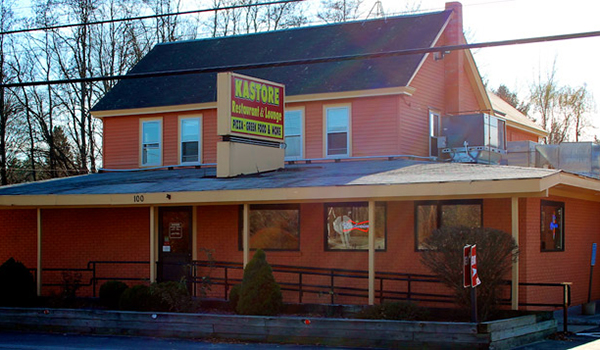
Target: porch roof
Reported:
[(398, 179)]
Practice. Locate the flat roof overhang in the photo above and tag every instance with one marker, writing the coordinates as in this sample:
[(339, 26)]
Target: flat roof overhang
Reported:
[(398, 192), (397, 180)]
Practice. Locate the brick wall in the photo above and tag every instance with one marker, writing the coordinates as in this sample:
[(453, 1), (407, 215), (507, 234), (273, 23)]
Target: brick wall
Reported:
[(73, 237), (570, 265), (19, 236)]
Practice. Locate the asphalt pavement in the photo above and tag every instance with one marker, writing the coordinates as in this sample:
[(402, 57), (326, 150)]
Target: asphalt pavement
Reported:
[(583, 333), (65, 341)]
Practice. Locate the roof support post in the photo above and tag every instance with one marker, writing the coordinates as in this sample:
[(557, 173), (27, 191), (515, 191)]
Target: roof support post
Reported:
[(371, 252), (514, 292), (194, 233), (152, 247), (246, 234), (39, 253)]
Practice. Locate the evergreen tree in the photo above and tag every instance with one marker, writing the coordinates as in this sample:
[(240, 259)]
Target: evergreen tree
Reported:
[(260, 294)]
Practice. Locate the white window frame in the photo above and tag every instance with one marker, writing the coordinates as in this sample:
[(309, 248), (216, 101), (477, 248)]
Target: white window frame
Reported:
[(180, 121), (494, 132), (143, 122), (326, 109), (302, 131), (434, 114)]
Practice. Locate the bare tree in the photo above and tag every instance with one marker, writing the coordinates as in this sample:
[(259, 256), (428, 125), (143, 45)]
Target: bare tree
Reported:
[(544, 100), (252, 18), (562, 110), (7, 105), (575, 104), (339, 10)]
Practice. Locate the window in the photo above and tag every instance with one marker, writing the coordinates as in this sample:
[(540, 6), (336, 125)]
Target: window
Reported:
[(273, 227), (347, 226), (430, 216), (151, 143), (190, 148), (293, 134), (552, 226), (337, 139), (434, 132)]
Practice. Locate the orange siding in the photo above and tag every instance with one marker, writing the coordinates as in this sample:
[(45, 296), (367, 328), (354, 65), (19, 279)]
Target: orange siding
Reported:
[(519, 135), (170, 139), (414, 111), (122, 145), (374, 126), (209, 136), (121, 140), (314, 129), (468, 103)]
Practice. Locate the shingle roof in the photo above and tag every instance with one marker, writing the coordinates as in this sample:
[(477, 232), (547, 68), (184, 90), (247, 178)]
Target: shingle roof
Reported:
[(349, 173), (512, 114), (372, 36)]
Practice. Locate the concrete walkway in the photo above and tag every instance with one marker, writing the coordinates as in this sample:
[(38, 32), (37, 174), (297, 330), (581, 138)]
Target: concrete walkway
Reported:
[(583, 332)]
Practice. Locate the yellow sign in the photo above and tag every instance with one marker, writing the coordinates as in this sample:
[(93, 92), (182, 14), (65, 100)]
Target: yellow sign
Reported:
[(250, 107)]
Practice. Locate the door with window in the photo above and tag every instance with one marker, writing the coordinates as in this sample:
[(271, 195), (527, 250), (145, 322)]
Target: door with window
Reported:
[(175, 243)]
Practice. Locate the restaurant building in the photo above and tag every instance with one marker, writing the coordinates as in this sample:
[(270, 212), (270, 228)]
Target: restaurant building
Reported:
[(372, 136)]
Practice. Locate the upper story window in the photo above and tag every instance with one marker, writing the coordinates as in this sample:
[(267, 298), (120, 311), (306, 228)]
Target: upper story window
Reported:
[(151, 142), (552, 226), (293, 134), (191, 146), (435, 128), (337, 131)]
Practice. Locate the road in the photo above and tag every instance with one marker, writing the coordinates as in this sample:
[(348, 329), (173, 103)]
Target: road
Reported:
[(59, 341)]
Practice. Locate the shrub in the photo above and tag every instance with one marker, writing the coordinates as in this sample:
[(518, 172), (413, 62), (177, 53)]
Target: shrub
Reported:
[(163, 296), (400, 310), (171, 296), (259, 294), (136, 298), (110, 293), (496, 250), (71, 282), (234, 296), (17, 286)]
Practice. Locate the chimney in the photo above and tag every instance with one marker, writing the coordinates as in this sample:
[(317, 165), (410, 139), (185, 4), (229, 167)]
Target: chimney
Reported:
[(454, 62)]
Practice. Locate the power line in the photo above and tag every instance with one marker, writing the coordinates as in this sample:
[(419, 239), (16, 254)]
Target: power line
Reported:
[(354, 57), (62, 26)]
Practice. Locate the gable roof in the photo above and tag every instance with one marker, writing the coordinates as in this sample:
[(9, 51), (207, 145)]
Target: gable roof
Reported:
[(513, 117), (349, 38)]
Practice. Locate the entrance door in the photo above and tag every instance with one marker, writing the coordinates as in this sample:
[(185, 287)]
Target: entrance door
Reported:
[(175, 243)]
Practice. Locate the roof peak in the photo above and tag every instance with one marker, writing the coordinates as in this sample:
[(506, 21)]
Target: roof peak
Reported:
[(310, 26)]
